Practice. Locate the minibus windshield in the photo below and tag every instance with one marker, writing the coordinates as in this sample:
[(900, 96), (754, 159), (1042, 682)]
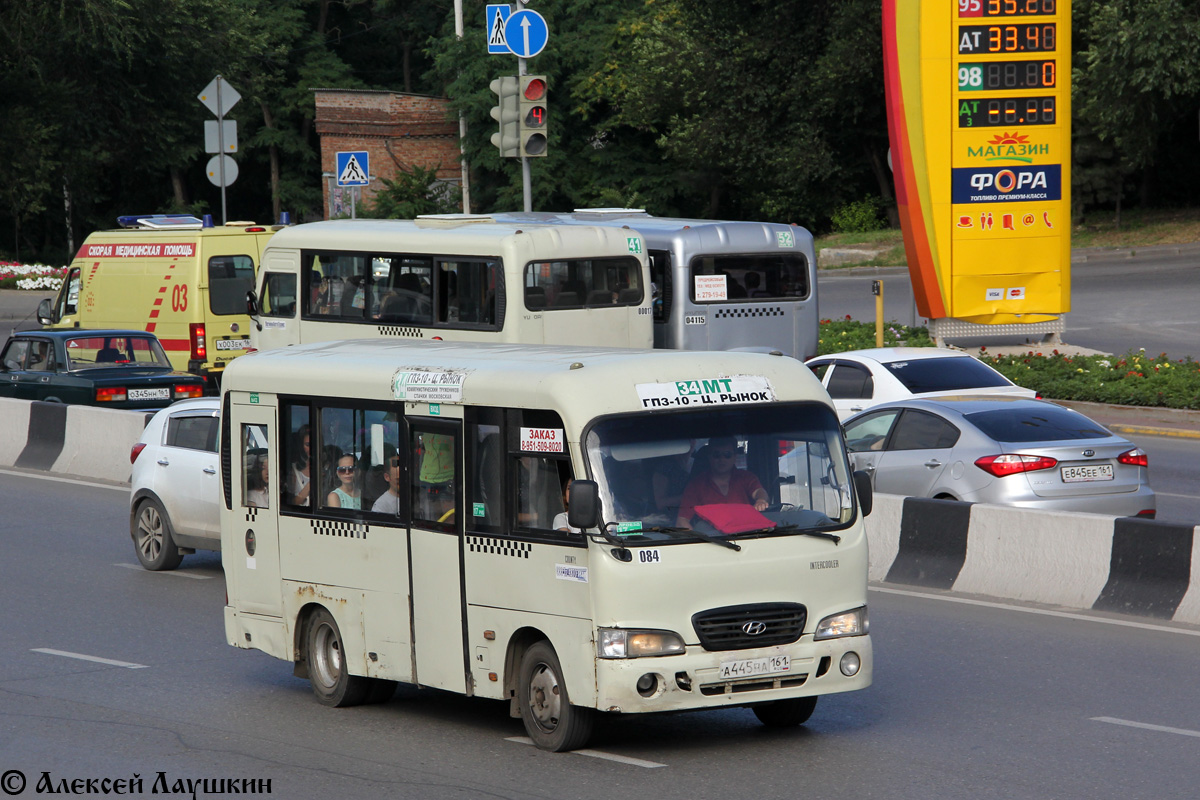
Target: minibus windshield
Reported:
[(752, 470)]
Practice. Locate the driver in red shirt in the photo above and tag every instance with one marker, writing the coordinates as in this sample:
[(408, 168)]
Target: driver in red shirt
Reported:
[(722, 482)]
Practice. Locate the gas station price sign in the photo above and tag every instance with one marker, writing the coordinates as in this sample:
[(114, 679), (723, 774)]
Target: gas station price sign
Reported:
[(979, 113), (1007, 8)]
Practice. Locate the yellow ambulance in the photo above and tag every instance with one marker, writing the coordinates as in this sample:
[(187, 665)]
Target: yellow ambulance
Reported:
[(175, 276)]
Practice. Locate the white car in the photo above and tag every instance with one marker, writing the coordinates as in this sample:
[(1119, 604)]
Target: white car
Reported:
[(175, 487), (859, 379)]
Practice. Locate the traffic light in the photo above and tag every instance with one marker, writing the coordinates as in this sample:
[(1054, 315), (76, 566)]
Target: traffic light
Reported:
[(532, 101), (508, 113)]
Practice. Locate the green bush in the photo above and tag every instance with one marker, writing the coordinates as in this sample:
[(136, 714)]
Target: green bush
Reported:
[(862, 216), (1133, 379)]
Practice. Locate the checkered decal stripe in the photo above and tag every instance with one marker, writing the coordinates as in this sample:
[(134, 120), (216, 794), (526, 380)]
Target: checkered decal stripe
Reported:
[(399, 330), (344, 530), (500, 547), (251, 514), (749, 312)]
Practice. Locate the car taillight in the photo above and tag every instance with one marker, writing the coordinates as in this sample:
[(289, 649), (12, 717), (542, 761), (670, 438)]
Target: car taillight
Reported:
[(136, 451), (197, 335), (1136, 457), (111, 394), (1011, 464), (1146, 513), (188, 390)]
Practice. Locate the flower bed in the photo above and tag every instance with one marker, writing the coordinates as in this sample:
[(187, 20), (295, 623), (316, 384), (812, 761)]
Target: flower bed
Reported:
[(1133, 379), (31, 276)]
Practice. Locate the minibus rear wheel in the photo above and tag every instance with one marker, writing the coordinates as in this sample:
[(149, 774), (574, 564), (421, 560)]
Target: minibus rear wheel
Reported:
[(785, 713), (325, 651), (550, 719)]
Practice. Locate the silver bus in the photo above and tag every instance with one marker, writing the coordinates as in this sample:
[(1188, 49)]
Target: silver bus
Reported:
[(719, 285)]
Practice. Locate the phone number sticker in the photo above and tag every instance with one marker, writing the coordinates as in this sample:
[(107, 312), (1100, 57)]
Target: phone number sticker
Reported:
[(542, 440)]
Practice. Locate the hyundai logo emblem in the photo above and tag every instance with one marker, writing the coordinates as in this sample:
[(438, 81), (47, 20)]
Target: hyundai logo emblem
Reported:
[(754, 628), (1089, 453)]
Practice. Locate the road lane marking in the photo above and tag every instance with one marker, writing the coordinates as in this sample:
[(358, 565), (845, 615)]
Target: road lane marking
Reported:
[(172, 572), (75, 481), (633, 762), (1044, 612), (1146, 726), (82, 657)]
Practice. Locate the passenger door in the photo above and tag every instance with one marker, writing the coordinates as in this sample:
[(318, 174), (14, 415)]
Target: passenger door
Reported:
[(188, 462), (252, 556), (850, 386), (435, 452), (916, 454)]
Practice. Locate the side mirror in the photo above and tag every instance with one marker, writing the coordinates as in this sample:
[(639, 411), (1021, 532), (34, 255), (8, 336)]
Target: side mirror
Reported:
[(584, 510), (862, 485), (45, 312), (251, 303)]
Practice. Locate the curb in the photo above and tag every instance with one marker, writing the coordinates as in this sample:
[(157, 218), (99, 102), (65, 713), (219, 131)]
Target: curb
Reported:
[(1123, 565)]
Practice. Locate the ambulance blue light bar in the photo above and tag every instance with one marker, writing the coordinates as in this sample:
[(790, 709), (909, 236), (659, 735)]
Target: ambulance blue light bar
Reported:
[(160, 221)]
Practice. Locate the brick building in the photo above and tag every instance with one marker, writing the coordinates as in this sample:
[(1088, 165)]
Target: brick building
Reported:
[(396, 129)]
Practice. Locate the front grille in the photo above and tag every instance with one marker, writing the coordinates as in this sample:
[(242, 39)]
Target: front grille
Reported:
[(726, 628), (751, 685)]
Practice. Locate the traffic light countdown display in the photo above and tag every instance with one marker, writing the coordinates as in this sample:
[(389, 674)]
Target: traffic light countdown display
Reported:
[(533, 115), (979, 120), (521, 111)]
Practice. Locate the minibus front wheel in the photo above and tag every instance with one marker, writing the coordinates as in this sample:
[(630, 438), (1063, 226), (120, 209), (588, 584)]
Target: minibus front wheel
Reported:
[(785, 713), (550, 719)]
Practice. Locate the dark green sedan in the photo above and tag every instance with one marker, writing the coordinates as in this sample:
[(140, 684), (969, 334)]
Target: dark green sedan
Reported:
[(112, 368)]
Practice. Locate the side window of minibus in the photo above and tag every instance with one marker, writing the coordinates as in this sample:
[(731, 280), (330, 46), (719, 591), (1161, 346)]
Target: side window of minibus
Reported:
[(256, 477), (297, 463), (542, 491), (434, 475), (279, 295), (483, 495)]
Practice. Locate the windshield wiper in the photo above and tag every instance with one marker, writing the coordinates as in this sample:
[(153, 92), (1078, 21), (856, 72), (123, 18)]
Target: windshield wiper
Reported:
[(833, 537), (704, 536)]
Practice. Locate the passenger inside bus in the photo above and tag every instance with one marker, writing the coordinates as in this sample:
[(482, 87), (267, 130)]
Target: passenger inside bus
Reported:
[(348, 492), (389, 501)]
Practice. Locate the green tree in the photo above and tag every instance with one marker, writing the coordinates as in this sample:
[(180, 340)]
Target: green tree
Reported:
[(1136, 63)]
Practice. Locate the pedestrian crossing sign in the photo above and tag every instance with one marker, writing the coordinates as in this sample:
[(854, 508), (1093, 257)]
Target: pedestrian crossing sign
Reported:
[(497, 17), (353, 168)]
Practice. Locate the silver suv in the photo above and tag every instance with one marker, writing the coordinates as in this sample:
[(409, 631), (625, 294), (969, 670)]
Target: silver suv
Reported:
[(173, 501)]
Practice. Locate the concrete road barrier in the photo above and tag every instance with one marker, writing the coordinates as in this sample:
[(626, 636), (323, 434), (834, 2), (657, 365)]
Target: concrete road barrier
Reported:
[(68, 439), (1124, 565)]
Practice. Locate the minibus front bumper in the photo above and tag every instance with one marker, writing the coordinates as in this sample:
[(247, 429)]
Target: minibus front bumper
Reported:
[(699, 678)]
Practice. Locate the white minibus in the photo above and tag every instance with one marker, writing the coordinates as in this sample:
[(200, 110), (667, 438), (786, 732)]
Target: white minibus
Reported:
[(577, 531), (456, 276), (719, 284)]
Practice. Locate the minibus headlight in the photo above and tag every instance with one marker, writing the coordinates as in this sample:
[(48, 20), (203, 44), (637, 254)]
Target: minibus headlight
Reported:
[(623, 643), (848, 623)]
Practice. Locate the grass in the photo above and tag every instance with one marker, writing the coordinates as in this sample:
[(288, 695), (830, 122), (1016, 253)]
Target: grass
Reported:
[(1135, 378), (1138, 228)]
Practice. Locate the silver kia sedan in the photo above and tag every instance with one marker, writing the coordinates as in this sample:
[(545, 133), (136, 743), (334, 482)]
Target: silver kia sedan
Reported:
[(1001, 450)]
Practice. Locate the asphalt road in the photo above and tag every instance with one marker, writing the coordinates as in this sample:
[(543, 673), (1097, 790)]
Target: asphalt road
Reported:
[(18, 309), (1118, 302), (970, 699)]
